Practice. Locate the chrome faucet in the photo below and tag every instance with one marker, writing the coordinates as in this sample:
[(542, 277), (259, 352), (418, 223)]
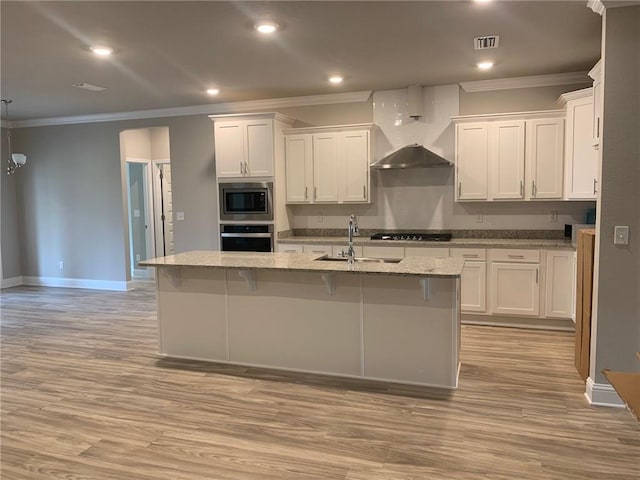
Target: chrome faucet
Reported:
[(353, 232)]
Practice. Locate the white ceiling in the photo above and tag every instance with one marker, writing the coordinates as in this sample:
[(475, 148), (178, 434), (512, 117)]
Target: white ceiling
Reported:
[(168, 52)]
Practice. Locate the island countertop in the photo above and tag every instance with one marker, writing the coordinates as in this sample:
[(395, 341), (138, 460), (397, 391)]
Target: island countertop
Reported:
[(408, 266)]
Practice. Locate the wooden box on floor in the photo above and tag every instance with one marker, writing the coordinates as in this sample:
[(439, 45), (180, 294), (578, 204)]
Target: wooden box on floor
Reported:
[(584, 291)]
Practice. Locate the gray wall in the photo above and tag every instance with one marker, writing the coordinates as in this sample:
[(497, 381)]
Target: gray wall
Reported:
[(617, 329), (9, 214), (71, 191)]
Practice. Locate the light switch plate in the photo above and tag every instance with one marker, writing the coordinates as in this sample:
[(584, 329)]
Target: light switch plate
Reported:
[(179, 216), (621, 235)]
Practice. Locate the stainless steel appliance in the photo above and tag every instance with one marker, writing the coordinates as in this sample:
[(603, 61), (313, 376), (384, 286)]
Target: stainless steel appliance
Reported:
[(246, 201), (418, 237), (246, 238)]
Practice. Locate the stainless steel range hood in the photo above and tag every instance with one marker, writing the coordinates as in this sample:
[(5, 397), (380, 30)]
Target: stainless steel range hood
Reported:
[(411, 156)]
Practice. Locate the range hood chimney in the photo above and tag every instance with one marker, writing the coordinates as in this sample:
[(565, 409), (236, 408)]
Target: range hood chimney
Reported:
[(411, 156), (414, 101)]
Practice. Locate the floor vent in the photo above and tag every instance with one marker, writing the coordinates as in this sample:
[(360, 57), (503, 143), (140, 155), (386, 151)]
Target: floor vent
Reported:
[(490, 41)]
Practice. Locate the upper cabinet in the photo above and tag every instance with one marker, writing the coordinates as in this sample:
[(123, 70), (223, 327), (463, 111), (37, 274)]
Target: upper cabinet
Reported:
[(581, 157), (596, 75), (244, 144), (507, 157), (328, 164)]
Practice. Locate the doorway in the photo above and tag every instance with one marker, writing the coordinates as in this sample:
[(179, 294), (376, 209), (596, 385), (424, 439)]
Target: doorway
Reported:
[(149, 199)]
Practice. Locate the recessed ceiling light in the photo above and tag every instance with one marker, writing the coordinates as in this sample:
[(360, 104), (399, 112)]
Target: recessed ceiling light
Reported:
[(102, 51), (266, 27), (485, 65), (336, 79), (482, 1), (213, 91)]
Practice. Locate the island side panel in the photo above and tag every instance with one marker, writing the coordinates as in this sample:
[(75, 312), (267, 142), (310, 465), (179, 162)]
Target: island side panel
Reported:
[(407, 338), (192, 313), (291, 321)]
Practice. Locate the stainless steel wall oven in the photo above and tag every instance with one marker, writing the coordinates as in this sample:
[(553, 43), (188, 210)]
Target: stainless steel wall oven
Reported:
[(246, 238)]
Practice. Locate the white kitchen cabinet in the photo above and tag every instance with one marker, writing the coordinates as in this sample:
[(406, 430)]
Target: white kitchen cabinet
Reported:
[(515, 282), (506, 154), (289, 248), (581, 158), (299, 168), (472, 159), (244, 144), (545, 141), (511, 156), (473, 281), (325, 168), (559, 284), (328, 164), (596, 131), (318, 249)]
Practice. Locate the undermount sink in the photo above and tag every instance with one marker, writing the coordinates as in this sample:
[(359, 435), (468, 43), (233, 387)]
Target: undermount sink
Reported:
[(360, 259)]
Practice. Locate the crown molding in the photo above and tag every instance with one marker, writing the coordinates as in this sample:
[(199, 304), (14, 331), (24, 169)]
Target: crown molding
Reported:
[(525, 82), (208, 109), (575, 95)]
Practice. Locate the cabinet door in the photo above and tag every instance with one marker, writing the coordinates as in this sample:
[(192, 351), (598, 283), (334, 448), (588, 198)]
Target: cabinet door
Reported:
[(581, 159), (515, 289), (298, 168), (473, 287), (545, 139), (472, 155), (559, 290), (259, 148), (229, 148), (597, 111), (506, 154), (383, 252), (325, 167), (354, 166), (426, 252)]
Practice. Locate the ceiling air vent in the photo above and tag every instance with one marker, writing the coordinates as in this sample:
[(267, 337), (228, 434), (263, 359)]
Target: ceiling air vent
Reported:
[(490, 41), (88, 86)]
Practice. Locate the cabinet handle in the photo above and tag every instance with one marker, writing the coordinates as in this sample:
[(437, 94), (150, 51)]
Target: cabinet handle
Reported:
[(533, 188), (515, 256), (595, 183), (597, 127), (469, 255), (315, 192), (459, 189), (246, 168), (536, 275), (364, 191), (242, 168), (521, 188), (306, 189)]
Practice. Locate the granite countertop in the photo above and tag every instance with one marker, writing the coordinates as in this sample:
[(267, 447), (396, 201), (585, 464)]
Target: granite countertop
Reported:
[(543, 243), (305, 262)]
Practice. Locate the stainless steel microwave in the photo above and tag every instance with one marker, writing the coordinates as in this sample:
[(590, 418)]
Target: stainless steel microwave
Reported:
[(246, 201)]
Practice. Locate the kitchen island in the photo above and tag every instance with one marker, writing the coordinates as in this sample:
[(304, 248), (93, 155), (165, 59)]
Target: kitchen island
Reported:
[(397, 322)]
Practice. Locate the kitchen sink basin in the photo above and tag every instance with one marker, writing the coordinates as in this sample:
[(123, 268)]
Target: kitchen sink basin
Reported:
[(360, 259)]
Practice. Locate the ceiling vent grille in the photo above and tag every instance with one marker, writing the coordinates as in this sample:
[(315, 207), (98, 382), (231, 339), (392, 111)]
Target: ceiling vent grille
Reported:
[(88, 86), (490, 41)]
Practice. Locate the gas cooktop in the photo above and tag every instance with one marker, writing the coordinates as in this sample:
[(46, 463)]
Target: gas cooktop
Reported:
[(418, 237)]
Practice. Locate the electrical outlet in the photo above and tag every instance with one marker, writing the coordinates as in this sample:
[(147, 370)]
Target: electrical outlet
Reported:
[(479, 218), (553, 218), (621, 235), (137, 257), (61, 264), (179, 216)]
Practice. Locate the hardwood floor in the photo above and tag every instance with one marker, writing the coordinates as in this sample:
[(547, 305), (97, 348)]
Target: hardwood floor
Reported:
[(84, 396)]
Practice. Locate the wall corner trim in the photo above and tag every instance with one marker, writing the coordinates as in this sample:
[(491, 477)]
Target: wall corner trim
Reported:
[(602, 395), (120, 286), (208, 109), (525, 82)]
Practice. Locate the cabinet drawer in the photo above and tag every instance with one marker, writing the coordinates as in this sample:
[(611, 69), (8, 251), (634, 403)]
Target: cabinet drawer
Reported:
[(469, 253), (426, 252), (319, 249), (383, 252), (515, 255), (289, 248)]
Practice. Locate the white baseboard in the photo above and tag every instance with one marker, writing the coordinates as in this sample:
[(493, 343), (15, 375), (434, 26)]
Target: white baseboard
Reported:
[(11, 282), (602, 394), (76, 283)]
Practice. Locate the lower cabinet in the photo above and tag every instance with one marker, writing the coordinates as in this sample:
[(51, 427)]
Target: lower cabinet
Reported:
[(515, 282), (560, 284), (382, 252), (289, 248), (473, 282)]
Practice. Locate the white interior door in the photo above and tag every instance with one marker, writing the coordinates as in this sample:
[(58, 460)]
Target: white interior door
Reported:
[(141, 228)]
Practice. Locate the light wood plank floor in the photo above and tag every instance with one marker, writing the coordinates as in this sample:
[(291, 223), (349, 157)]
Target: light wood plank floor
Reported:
[(84, 396)]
